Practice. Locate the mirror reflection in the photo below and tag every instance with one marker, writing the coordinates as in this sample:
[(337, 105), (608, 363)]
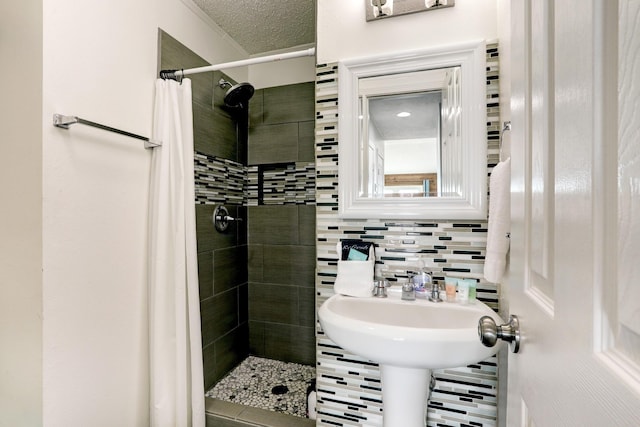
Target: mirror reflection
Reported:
[(409, 134)]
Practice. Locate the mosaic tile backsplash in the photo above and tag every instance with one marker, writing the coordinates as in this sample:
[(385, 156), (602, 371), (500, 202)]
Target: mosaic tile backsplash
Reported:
[(349, 389)]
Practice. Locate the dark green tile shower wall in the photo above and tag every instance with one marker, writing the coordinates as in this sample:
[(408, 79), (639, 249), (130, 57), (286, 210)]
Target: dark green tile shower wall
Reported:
[(282, 125), (222, 257), (282, 237)]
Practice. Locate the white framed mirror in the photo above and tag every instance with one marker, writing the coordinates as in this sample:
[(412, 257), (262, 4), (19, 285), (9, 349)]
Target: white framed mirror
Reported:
[(412, 134)]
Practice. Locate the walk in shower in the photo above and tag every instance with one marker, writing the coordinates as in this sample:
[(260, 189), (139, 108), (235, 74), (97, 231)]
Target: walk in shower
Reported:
[(254, 154)]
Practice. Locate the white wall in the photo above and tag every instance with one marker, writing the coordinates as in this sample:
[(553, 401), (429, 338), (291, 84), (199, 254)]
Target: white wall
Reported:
[(280, 73), (343, 31), (21, 215), (423, 159), (100, 62)]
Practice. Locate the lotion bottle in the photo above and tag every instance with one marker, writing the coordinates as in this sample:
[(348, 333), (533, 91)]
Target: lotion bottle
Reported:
[(463, 291), (472, 290)]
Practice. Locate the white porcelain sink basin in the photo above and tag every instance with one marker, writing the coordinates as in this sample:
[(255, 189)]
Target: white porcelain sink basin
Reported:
[(407, 339), (412, 334)]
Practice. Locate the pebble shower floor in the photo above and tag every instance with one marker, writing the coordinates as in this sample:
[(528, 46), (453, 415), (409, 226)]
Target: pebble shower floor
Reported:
[(261, 383)]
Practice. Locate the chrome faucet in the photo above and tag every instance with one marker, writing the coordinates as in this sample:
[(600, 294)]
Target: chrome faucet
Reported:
[(435, 293), (408, 292)]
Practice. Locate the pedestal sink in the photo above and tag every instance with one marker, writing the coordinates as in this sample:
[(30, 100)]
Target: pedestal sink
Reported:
[(407, 339)]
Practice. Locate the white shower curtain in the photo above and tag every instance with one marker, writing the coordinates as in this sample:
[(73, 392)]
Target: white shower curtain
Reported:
[(176, 373)]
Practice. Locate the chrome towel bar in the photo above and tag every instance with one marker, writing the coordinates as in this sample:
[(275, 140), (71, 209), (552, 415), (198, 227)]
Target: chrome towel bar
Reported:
[(62, 121)]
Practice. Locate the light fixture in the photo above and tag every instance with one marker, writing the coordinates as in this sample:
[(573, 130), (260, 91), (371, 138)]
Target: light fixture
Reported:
[(382, 8), (403, 114), (434, 3)]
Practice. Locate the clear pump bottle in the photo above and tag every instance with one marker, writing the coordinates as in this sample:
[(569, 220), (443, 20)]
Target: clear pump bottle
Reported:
[(422, 282)]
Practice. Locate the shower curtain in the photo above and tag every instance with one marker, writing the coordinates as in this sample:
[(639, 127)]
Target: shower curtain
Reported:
[(175, 345)]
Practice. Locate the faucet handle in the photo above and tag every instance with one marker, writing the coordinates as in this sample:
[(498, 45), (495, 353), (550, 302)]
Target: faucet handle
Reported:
[(435, 292), (380, 288)]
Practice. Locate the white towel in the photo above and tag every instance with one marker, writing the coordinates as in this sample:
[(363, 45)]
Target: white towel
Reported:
[(499, 222)]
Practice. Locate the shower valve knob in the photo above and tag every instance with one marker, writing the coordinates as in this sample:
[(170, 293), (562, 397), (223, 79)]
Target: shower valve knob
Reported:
[(227, 218), (221, 218)]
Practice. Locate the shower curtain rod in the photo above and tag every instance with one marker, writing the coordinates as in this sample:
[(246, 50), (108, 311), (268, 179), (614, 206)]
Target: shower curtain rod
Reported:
[(64, 122), (179, 74)]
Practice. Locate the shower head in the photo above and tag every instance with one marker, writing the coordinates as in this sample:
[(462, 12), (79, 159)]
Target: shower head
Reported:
[(237, 95)]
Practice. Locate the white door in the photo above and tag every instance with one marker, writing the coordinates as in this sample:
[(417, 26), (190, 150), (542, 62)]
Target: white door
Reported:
[(574, 280)]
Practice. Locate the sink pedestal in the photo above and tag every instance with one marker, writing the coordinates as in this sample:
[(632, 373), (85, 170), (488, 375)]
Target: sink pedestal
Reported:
[(404, 396)]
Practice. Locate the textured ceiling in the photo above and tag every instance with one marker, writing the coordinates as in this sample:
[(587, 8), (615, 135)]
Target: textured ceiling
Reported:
[(262, 26), (422, 123)]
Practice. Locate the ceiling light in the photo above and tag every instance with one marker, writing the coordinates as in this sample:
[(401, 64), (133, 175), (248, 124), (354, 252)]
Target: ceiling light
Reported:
[(403, 114)]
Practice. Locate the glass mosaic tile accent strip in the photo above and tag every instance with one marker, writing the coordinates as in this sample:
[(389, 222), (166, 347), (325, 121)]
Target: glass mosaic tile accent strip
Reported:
[(349, 389), (294, 183), (219, 180), (267, 384), (493, 104), (253, 185), (225, 181)]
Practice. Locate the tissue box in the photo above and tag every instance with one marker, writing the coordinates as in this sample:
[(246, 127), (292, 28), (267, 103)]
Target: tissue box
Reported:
[(355, 278)]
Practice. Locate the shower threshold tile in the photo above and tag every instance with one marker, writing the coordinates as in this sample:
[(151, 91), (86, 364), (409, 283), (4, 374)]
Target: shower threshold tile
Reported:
[(227, 414), (267, 384)]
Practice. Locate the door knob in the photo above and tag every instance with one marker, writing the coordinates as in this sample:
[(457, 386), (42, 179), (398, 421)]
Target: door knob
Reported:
[(490, 333)]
